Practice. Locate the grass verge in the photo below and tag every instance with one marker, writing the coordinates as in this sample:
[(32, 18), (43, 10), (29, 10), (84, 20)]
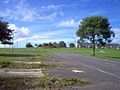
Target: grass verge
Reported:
[(47, 83)]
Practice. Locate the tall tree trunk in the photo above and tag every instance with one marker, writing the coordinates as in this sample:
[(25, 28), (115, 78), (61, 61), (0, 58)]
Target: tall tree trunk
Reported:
[(93, 45)]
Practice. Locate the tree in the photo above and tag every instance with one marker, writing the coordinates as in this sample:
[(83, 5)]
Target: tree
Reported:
[(45, 44), (71, 45), (36, 45), (40, 45), (62, 44), (55, 45), (50, 45), (29, 45), (95, 28), (5, 33)]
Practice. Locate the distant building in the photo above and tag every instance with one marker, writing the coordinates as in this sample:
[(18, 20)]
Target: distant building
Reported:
[(90, 45), (113, 45), (85, 45)]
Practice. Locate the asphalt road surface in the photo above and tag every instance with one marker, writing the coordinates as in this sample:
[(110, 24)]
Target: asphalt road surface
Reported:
[(104, 74)]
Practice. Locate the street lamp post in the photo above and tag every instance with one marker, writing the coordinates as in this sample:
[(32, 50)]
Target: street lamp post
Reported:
[(13, 39)]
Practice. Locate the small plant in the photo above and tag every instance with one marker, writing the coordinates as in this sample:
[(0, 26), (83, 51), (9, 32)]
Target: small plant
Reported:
[(5, 63)]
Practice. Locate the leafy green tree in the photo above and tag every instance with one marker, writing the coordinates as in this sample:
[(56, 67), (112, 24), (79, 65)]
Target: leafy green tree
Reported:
[(40, 45), (29, 45), (50, 45), (55, 45), (96, 29), (5, 33), (71, 45), (62, 44), (45, 44), (36, 45)]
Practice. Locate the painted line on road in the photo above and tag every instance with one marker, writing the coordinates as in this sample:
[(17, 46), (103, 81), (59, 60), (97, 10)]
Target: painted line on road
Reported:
[(100, 70), (77, 71), (105, 72)]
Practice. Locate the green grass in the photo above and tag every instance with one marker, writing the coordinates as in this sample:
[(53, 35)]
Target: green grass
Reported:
[(25, 66), (26, 83), (7, 57), (23, 54), (112, 54), (41, 54)]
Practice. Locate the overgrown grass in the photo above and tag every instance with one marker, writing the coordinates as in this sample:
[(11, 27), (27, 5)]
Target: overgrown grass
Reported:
[(5, 63), (25, 83), (25, 66)]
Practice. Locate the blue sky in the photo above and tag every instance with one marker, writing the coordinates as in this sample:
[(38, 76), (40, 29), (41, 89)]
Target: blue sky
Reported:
[(39, 21)]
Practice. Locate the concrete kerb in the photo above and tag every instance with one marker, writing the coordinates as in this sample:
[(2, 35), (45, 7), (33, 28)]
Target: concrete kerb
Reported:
[(28, 62), (21, 72)]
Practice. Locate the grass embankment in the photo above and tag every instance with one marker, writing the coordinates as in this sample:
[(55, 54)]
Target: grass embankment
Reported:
[(113, 54), (7, 57), (32, 54)]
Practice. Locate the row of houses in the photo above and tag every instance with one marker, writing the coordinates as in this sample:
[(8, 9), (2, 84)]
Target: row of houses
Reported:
[(90, 45)]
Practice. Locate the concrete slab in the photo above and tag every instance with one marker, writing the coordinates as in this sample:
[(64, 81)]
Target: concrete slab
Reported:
[(27, 62), (21, 72)]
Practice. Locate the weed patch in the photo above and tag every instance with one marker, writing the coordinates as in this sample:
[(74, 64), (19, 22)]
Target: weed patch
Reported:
[(22, 83)]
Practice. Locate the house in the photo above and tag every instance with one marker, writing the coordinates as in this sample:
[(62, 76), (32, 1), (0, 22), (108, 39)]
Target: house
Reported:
[(85, 45), (90, 45), (113, 45)]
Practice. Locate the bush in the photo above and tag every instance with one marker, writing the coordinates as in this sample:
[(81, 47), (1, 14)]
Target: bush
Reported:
[(28, 45)]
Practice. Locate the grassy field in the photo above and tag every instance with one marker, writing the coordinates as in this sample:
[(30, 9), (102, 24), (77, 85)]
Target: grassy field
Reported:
[(33, 54), (7, 57), (41, 54)]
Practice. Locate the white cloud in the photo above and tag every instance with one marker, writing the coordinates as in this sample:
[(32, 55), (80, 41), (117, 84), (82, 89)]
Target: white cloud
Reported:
[(116, 39), (42, 37), (49, 7), (24, 12), (20, 32), (22, 35), (47, 35), (5, 46), (69, 23), (116, 30)]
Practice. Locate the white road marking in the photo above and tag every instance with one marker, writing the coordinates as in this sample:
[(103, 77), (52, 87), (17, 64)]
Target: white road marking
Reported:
[(105, 72), (77, 71), (100, 70)]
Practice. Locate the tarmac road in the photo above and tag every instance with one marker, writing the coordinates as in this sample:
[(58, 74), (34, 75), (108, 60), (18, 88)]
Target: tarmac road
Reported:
[(105, 74)]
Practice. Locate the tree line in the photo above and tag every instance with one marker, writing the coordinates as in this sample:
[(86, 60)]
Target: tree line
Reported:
[(61, 44)]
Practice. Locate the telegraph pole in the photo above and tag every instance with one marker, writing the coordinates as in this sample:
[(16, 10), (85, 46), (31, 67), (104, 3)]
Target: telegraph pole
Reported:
[(13, 39)]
